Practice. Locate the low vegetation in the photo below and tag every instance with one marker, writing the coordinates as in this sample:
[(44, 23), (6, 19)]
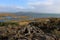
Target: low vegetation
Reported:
[(37, 29), (8, 23)]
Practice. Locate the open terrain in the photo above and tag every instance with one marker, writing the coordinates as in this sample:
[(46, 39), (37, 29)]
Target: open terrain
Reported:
[(33, 29)]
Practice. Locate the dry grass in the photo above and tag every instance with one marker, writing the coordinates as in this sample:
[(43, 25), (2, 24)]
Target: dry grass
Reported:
[(23, 23), (11, 29)]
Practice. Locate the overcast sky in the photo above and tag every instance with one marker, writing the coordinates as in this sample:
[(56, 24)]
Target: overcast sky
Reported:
[(41, 6)]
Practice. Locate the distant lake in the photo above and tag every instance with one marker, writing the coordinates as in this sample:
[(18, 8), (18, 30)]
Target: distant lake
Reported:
[(36, 15), (46, 16), (32, 16)]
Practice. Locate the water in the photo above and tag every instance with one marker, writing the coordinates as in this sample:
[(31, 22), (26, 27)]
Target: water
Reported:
[(32, 16), (42, 15), (39, 15), (45, 15)]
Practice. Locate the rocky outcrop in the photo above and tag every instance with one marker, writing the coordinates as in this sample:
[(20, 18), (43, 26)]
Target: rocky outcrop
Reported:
[(32, 31)]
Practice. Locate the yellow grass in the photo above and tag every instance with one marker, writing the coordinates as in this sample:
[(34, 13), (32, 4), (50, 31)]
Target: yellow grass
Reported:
[(23, 23)]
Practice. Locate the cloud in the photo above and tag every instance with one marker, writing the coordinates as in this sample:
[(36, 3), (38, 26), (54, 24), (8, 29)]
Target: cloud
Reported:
[(10, 8), (41, 6), (45, 6), (39, 2)]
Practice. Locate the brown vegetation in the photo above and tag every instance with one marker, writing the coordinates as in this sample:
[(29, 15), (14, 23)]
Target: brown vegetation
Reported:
[(37, 29)]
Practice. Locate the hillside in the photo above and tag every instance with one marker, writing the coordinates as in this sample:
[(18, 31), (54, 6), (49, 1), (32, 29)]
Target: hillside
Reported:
[(37, 29)]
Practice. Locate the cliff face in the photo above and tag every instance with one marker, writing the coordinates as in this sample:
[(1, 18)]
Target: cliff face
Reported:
[(46, 30)]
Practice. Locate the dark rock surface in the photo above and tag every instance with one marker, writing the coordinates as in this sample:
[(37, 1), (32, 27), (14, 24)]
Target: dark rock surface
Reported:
[(32, 31)]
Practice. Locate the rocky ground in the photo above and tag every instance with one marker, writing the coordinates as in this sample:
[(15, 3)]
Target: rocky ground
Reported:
[(34, 30)]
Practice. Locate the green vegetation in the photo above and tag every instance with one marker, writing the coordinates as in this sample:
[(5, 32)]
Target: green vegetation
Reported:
[(31, 29), (8, 23)]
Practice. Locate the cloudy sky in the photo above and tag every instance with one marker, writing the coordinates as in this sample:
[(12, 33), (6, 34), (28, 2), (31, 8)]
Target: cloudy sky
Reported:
[(41, 6)]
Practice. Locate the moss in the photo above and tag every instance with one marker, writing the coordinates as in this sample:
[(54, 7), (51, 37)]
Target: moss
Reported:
[(8, 23)]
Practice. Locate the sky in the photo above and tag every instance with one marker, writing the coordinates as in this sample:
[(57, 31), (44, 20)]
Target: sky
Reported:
[(40, 6)]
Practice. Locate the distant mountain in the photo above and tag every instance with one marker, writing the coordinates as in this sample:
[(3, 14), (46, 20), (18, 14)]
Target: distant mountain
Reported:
[(37, 15), (27, 13)]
